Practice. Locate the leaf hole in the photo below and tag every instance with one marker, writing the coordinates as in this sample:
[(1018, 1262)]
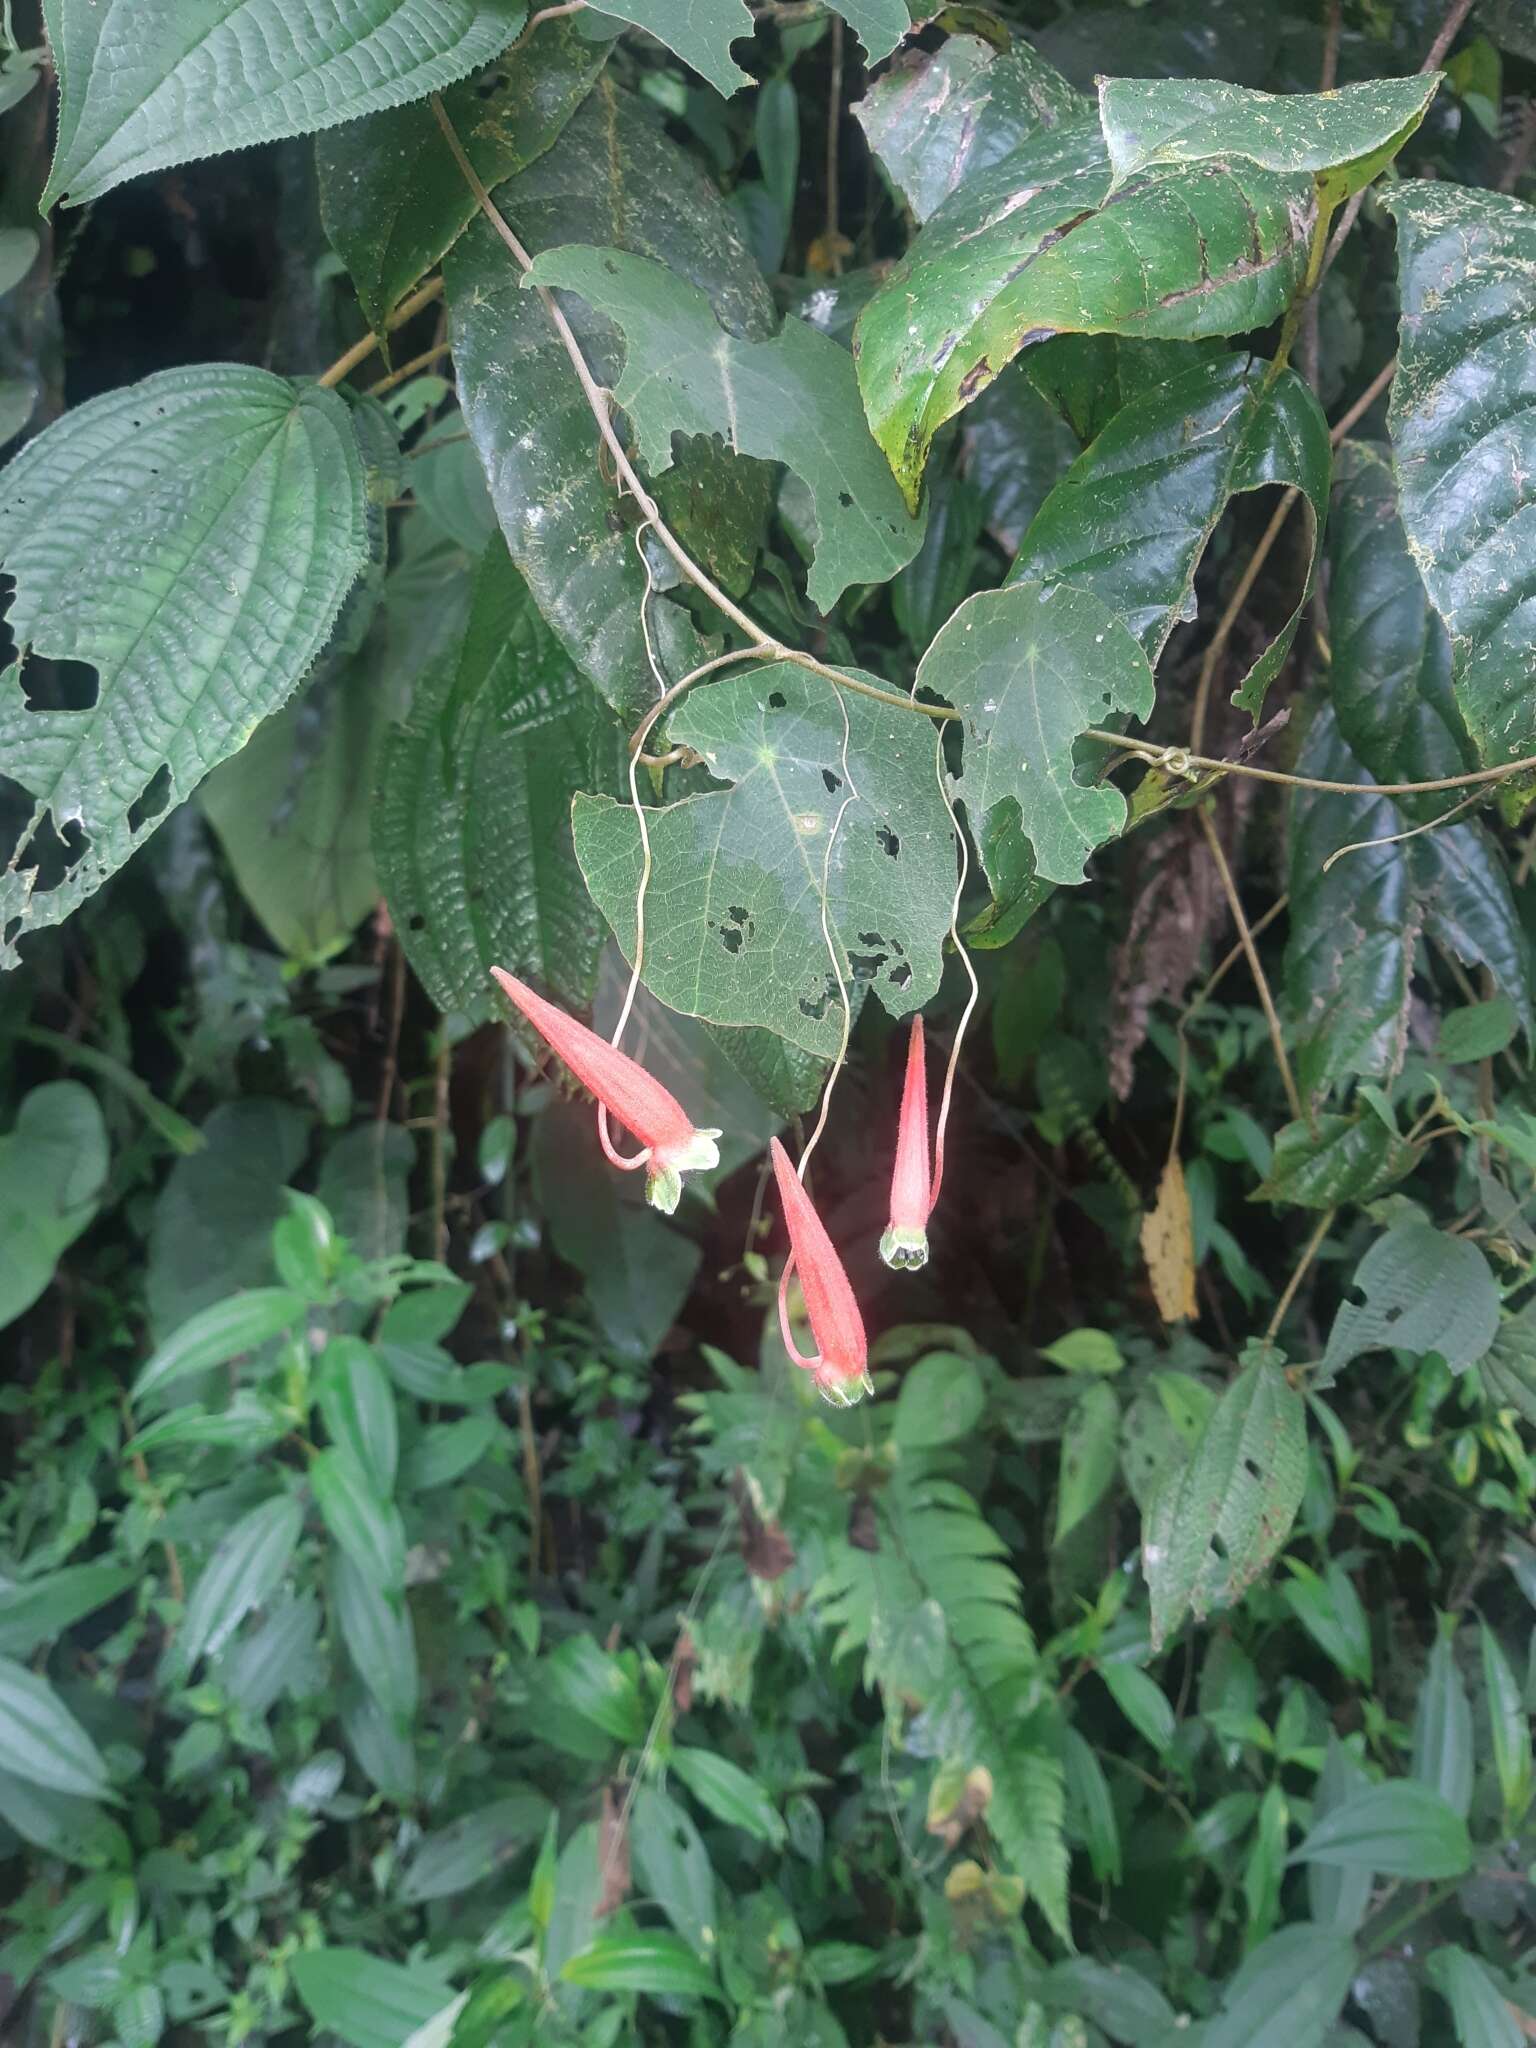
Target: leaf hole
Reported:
[(844, 500), (1251, 1469), (865, 966), (730, 938), (833, 782), (151, 800), (60, 685), (1355, 1296), (1219, 1549), (776, 700), (900, 976), (415, 922), (1391, 1313), (890, 845)]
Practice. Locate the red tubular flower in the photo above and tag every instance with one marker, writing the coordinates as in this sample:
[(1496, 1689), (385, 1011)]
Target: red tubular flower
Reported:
[(905, 1243), (672, 1146), (841, 1363)]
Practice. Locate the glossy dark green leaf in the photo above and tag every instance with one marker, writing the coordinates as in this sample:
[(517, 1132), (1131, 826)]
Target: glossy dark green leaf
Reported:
[(734, 910), (1390, 676), (157, 85), (392, 197), (42, 1741), (36, 1611), (731, 1794), (1030, 669), (662, 1964), (1403, 1829), (53, 1168), (1179, 38), (793, 399), (1242, 1485), (192, 538), (1464, 439), (1342, 137), (365, 2000), (1030, 248), (612, 178), (1086, 378), (1418, 1290), (1480, 2011), (938, 121), (472, 825), (1334, 1159), (244, 1572), (1477, 1032), (469, 1852), (1442, 1730), (1349, 954), (362, 1520), (1133, 516), (1287, 1994), (1015, 451)]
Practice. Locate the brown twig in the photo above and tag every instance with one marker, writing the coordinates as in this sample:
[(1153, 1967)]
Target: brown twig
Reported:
[(1309, 1252), (427, 357), (834, 138), (1178, 760), (1255, 965), (360, 351)]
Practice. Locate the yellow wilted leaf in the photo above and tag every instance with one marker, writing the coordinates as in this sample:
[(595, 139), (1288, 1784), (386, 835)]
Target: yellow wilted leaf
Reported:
[(1168, 1246)]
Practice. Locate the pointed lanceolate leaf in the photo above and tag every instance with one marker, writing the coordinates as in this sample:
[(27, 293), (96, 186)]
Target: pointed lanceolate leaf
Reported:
[(472, 825), (1343, 137), (1036, 246), (1242, 1485), (245, 1570), (392, 197), (1390, 676), (1131, 519), (42, 1742), (793, 399), (159, 82), (1030, 668), (734, 910), (614, 177), (1483, 2016), (192, 538), (1403, 1829), (1464, 439), (939, 120), (1288, 1993)]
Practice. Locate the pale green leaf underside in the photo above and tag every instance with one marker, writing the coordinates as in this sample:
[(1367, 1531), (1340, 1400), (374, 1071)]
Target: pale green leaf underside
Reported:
[(148, 83), (701, 32), (1464, 438), (733, 915), (793, 399), (1131, 519), (1042, 244), (1030, 669), (1419, 1290), (192, 539), (959, 111), (1348, 134), (472, 824)]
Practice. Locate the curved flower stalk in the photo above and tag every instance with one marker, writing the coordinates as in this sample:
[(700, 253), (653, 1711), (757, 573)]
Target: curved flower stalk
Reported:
[(841, 1364), (671, 1145), (905, 1243)]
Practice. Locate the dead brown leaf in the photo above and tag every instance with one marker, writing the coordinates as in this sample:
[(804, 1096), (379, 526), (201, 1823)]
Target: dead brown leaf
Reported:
[(1168, 1246)]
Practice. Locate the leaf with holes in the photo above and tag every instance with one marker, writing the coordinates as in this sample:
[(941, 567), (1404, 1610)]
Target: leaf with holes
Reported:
[(392, 197), (701, 32), (1030, 669), (946, 116), (733, 915), (158, 83), (1390, 677), (1218, 1520), (793, 399), (1036, 246), (1416, 1290), (1342, 137), (1464, 439), (1132, 518), (612, 177), (472, 823), (192, 538)]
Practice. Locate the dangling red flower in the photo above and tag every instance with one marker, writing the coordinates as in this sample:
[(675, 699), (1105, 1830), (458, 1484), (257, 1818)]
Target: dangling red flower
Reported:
[(672, 1145), (905, 1243), (842, 1360)]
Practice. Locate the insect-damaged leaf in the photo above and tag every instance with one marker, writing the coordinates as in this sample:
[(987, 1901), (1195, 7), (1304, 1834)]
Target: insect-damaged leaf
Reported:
[(701, 32), (1344, 137), (1415, 1290), (612, 177), (1030, 669), (160, 82), (733, 915), (1040, 245), (793, 399), (1464, 436), (1218, 1521), (1132, 518), (192, 538)]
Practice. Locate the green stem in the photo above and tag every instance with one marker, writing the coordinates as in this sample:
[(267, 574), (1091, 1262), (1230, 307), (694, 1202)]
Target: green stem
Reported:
[(1317, 249), (1400, 1923)]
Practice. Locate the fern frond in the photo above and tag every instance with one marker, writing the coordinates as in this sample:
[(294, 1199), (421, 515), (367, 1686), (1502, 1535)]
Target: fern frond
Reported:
[(936, 1611)]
